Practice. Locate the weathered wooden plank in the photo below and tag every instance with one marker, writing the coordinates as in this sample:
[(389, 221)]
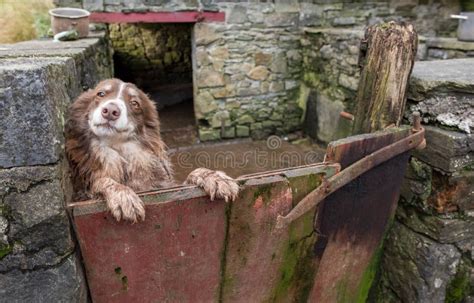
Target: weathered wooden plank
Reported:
[(173, 256), (352, 221), (265, 264), (387, 56), (254, 247)]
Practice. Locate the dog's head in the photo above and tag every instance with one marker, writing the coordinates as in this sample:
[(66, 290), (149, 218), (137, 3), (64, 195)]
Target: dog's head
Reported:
[(116, 108)]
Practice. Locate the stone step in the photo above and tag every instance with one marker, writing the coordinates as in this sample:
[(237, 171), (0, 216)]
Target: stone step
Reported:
[(449, 151)]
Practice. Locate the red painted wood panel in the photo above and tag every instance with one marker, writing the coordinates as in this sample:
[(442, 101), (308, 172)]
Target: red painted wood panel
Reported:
[(255, 249), (184, 248), (265, 264), (157, 17), (173, 256)]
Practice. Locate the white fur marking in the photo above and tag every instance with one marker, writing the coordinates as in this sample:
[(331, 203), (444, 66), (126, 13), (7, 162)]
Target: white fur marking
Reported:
[(133, 92), (122, 124), (136, 155), (119, 95)]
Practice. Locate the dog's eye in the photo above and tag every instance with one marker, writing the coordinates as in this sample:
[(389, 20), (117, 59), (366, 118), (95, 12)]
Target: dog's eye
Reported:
[(101, 94), (134, 104)]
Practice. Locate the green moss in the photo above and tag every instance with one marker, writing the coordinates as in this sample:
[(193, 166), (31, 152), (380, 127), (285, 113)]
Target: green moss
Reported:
[(378, 116), (459, 287), (314, 181), (467, 5), (312, 79), (385, 25), (369, 275), (296, 273), (303, 100), (297, 269), (469, 167), (6, 211), (168, 59), (264, 191), (226, 280), (342, 292), (345, 293), (369, 278), (5, 250)]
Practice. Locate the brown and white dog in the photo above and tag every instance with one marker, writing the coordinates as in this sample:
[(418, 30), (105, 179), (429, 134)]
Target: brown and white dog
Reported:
[(114, 147)]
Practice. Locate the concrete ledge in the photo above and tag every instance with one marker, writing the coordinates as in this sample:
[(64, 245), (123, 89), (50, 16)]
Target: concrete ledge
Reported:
[(48, 48), (442, 75), (92, 56)]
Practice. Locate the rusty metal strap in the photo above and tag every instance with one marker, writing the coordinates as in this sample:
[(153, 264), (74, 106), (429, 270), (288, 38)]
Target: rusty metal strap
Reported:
[(332, 184)]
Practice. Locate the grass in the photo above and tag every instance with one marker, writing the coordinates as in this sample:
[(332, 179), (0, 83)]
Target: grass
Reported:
[(24, 19)]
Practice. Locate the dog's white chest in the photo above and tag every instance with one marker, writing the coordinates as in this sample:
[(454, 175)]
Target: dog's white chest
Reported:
[(125, 160), (136, 157)]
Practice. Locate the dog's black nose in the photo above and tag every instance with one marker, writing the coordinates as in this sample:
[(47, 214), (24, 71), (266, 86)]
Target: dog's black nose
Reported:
[(111, 112)]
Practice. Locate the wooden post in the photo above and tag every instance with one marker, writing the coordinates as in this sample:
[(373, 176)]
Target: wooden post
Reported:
[(386, 58)]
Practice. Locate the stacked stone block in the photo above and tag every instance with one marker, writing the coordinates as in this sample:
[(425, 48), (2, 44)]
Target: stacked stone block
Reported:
[(252, 64), (248, 74), (38, 80), (268, 65), (431, 244), (331, 75), (442, 48), (152, 54)]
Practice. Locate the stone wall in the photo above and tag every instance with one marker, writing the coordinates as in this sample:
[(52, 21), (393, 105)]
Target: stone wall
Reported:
[(331, 74), (441, 48), (248, 70), (256, 74), (247, 73), (38, 80), (429, 250), (152, 54), (431, 17)]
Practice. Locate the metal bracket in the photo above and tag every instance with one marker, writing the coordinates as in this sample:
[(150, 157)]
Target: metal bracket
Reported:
[(415, 140)]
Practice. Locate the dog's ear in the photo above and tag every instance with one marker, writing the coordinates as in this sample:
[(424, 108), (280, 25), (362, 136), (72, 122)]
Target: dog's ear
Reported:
[(151, 134), (77, 140), (150, 114), (78, 111)]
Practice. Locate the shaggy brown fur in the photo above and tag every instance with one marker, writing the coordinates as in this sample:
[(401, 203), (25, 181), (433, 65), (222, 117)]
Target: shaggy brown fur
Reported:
[(114, 147)]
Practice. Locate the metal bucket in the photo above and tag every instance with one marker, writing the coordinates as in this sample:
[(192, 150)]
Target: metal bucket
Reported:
[(66, 18), (466, 26)]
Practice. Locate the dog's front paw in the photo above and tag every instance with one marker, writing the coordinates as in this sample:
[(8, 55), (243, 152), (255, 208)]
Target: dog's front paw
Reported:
[(216, 184), (125, 204)]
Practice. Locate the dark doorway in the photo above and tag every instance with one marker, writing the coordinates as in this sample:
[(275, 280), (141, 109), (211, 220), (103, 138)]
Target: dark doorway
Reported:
[(157, 58)]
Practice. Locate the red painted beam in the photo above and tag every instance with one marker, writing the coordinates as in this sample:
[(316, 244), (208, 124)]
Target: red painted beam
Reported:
[(158, 17)]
